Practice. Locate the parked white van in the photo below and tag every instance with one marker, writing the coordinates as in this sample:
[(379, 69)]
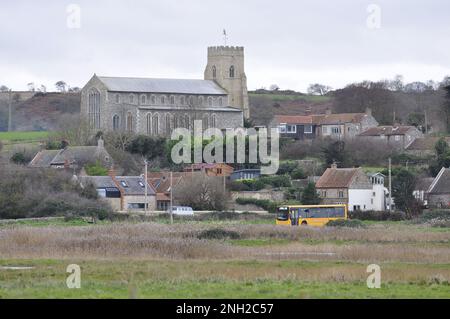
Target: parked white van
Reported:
[(182, 210)]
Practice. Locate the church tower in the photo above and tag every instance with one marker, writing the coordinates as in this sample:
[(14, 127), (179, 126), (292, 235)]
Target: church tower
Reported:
[(226, 67)]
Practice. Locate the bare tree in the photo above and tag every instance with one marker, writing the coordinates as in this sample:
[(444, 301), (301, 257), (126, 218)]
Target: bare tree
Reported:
[(4, 88), (202, 192), (318, 89), (61, 86)]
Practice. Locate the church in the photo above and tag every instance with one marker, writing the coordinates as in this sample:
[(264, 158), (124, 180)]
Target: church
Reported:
[(157, 106)]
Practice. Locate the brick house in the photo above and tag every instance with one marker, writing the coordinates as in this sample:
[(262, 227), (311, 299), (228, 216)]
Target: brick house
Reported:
[(343, 126), (350, 186), (212, 169), (123, 193), (399, 137)]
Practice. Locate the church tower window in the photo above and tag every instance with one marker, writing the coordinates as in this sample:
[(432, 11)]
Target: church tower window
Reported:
[(232, 71), (116, 122), (129, 122), (94, 109), (214, 72)]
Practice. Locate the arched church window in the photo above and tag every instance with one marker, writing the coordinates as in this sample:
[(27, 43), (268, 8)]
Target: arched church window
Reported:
[(155, 124), (214, 71), (200, 100), (129, 122), (143, 99), (220, 101), (116, 122), (153, 99), (94, 109), (149, 123), (117, 98), (172, 100), (232, 71), (210, 101), (191, 100), (182, 100), (213, 120), (163, 99), (205, 122), (131, 98), (168, 125), (187, 122)]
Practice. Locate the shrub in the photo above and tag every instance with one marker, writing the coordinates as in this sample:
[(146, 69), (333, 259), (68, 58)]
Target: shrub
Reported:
[(298, 173), (377, 216), (435, 214), (287, 167), (266, 204), (218, 233), (277, 181), (352, 223), (96, 169), (19, 158)]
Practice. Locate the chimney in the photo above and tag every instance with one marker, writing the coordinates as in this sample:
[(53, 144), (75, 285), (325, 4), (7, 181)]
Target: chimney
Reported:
[(368, 111), (328, 112), (100, 143), (334, 166)]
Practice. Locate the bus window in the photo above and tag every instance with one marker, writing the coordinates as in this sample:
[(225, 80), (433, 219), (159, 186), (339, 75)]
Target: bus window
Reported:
[(337, 212), (318, 213), (283, 214)]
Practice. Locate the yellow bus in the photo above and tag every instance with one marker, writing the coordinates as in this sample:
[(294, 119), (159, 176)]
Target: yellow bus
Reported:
[(313, 215)]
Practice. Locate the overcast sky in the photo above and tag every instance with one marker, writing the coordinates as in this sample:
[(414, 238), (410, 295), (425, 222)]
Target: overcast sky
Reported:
[(289, 43)]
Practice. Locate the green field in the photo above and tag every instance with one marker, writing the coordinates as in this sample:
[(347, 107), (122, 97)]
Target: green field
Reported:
[(24, 137), (252, 259)]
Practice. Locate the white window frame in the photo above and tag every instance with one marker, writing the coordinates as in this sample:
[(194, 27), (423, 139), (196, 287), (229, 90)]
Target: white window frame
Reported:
[(282, 128), (291, 129), (309, 131)]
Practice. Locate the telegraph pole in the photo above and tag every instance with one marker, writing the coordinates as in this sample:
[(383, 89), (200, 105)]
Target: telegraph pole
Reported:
[(10, 112), (390, 185), (145, 183), (171, 198)]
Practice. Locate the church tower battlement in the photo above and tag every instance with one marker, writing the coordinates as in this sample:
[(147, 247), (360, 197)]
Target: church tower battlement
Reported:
[(226, 67)]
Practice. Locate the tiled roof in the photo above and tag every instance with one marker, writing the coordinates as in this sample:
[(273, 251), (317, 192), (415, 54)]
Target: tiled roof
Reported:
[(149, 85), (425, 144), (337, 178), (441, 184), (293, 119), (329, 119), (424, 183), (133, 185), (387, 130), (81, 155)]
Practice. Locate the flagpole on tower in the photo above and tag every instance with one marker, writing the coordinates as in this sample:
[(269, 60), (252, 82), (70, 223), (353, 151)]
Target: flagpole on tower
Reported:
[(225, 37)]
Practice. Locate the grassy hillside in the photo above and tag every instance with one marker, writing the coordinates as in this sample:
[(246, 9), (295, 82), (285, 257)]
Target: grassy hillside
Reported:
[(263, 106)]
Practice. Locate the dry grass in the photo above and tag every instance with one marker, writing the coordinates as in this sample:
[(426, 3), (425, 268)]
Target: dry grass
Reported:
[(152, 240)]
